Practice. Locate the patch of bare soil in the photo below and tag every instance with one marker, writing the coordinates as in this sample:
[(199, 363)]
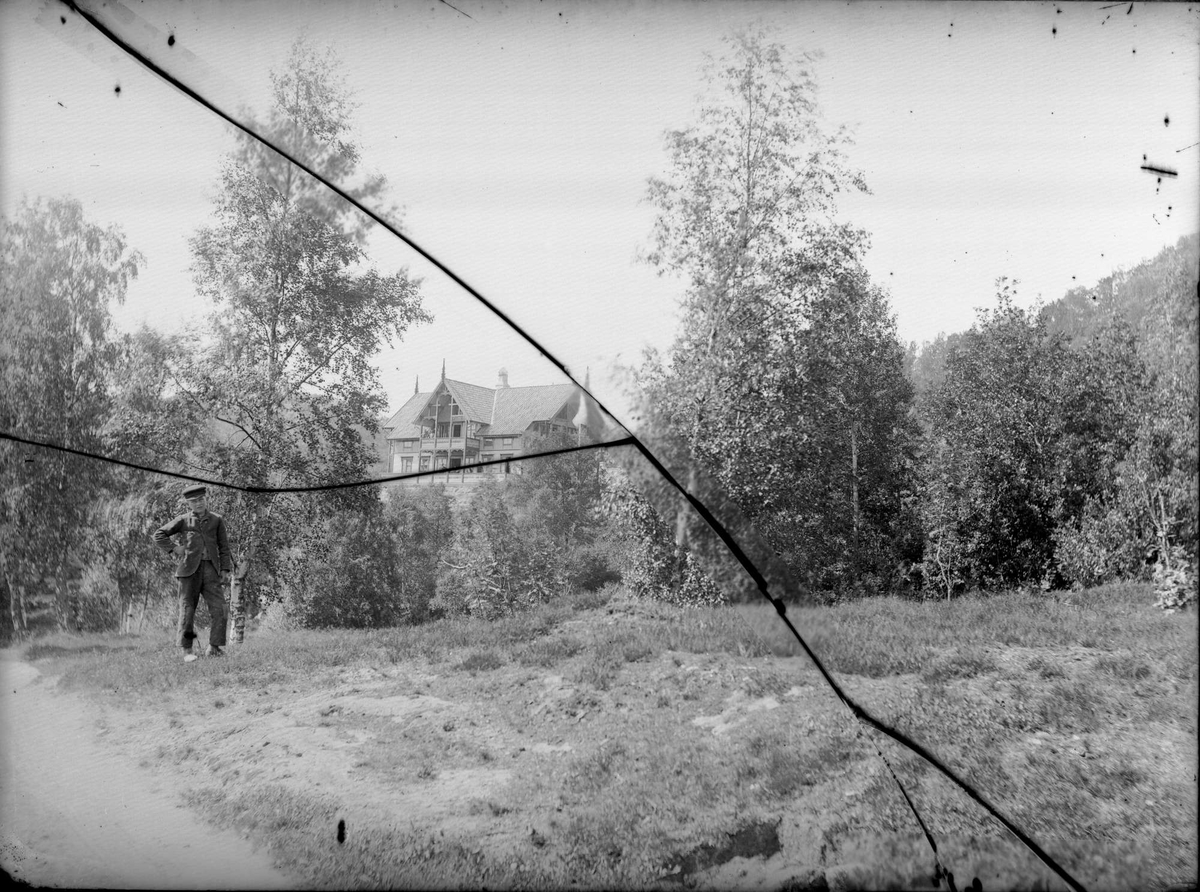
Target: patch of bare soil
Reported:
[(77, 815)]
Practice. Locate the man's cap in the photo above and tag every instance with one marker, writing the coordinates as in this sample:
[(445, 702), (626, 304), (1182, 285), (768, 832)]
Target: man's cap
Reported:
[(194, 491)]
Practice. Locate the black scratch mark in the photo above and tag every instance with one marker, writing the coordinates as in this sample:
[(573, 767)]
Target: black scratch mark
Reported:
[(341, 834), (1161, 171), (1185, 148), (62, 105), (171, 40), (455, 8)]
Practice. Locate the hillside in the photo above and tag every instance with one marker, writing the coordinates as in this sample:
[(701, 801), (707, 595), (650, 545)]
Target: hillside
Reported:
[(1134, 295)]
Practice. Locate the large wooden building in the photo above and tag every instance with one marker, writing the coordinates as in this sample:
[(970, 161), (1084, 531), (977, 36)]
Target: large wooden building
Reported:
[(457, 425)]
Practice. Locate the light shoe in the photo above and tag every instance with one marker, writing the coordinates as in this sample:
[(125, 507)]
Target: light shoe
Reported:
[(188, 656)]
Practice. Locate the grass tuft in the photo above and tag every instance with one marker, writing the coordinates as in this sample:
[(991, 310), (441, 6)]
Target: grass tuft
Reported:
[(967, 663), (483, 661), (550, 651)]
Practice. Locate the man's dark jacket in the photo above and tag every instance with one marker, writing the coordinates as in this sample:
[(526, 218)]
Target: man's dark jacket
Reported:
[(199, 537)]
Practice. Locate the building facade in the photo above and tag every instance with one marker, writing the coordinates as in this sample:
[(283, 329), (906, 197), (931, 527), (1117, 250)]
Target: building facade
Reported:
[(456, 426)]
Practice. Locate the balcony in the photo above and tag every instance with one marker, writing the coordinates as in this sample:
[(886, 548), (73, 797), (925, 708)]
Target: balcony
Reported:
[(426, 444)]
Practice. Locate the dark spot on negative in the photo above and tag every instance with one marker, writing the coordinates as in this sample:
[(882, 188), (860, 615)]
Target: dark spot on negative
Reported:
[(1167, 121), (1054, 31), (117, 89), (341, 836), (63, 19), (171, 40)]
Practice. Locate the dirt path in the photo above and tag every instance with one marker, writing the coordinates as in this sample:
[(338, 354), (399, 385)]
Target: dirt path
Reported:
[(73, 814)]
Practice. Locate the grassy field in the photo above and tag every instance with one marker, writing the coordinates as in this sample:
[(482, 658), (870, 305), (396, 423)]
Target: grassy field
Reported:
[(607, 742)]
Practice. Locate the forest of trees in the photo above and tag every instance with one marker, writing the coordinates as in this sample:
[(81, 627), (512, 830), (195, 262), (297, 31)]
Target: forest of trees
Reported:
[(1045, 447)]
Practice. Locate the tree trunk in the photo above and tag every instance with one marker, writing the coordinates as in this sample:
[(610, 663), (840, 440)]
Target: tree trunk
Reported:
[(145, 605), (237, 607), (16, 606), (62, 598), (238, 602), (1164, 547), (854, 494)]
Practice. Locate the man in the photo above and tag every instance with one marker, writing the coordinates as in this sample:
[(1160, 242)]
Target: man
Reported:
[(204, 565)]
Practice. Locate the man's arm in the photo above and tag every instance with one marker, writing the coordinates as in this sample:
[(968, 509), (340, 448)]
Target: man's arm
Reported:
[(162, 536)]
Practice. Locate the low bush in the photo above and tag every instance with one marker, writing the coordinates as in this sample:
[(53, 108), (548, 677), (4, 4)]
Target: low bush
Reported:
[(483, 661), (549, 651)]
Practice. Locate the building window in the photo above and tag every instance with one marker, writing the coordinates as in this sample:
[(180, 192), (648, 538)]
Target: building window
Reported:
[(440, 462), (406, 464), (507, 441), (443, 430), (457, 430), (407, 445)]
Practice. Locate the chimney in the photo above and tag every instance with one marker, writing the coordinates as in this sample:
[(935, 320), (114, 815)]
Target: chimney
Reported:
[(503, 382)]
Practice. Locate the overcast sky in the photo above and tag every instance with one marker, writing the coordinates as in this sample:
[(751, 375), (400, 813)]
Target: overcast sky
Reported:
[(998, 140)]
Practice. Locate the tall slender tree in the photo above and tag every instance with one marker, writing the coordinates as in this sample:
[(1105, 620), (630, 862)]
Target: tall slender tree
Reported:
[(785, 379), (285, 374), (59, 276)]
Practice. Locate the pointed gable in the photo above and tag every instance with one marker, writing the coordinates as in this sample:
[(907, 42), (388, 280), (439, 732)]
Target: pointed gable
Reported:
[(474, 402), (500, 411)]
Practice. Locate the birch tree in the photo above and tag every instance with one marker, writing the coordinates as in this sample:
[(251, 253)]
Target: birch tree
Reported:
[(783, 380), (285, 372), (60, 274)]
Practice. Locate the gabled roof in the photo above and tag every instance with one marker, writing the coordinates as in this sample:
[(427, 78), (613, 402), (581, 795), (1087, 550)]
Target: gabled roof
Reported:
[(403, 425), (505, 411), (474, 401), (518, 407)]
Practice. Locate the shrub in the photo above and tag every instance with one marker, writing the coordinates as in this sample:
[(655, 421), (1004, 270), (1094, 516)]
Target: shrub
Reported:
[(1100, 547), (351, 581), (1174, 580), (592, 566), (421, 524), (656, 566), (495, 565)]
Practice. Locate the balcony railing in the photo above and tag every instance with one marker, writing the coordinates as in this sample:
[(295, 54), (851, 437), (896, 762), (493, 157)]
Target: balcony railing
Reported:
[(471, 443)]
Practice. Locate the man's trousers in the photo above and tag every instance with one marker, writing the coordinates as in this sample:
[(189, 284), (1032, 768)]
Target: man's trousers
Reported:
[(205, 581)]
